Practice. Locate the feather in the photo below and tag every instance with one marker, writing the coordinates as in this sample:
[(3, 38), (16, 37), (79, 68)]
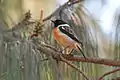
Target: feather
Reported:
[(81, 51), (69, 32)]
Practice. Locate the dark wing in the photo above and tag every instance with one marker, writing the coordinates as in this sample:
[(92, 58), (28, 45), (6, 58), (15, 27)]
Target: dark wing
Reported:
[(69, 32)]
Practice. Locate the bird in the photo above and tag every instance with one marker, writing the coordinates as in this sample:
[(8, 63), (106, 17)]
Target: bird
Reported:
[(66, 37)]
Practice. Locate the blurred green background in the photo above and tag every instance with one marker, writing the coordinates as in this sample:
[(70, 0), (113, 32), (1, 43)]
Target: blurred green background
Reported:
[(20, 60)]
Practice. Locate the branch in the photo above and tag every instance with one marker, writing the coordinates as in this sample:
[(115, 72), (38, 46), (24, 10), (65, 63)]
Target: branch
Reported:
[(77, 58), (25, 22), (108, 73), (73, 66), (65, 5), (118, 78), (93, 60), (51, 51)]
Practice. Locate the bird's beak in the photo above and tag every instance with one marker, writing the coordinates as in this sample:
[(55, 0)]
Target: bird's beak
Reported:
[(52, 21)]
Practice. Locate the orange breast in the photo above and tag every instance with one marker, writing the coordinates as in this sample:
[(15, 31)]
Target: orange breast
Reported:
[(56, 34), (62, 39)]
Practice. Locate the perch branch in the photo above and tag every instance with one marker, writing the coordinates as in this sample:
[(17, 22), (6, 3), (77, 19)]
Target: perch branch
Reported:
[(57, 55), (108, 73), (93, 60), (82, 59), (49, 50)]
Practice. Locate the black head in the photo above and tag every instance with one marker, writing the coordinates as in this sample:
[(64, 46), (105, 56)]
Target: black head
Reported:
[(58, 22)]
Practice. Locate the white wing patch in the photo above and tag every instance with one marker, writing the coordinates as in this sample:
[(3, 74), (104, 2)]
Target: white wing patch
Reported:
[(68, 32), (64, 25)]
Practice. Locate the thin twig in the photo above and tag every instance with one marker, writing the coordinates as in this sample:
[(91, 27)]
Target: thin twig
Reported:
[(22, 23), (73, 66), (65, 5), (108, 73), (118, 78), (41, 16)]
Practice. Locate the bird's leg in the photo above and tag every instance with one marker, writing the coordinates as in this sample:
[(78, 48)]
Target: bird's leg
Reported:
[(70, 52), (67, 51), (64, 49)]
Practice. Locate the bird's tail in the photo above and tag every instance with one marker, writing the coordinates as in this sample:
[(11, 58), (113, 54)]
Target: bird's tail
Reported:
[(81, 50)]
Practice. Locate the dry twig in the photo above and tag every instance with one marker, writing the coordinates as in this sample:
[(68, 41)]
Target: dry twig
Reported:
[(108, 73), (73, 66), (38, 28), (22, 23)]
